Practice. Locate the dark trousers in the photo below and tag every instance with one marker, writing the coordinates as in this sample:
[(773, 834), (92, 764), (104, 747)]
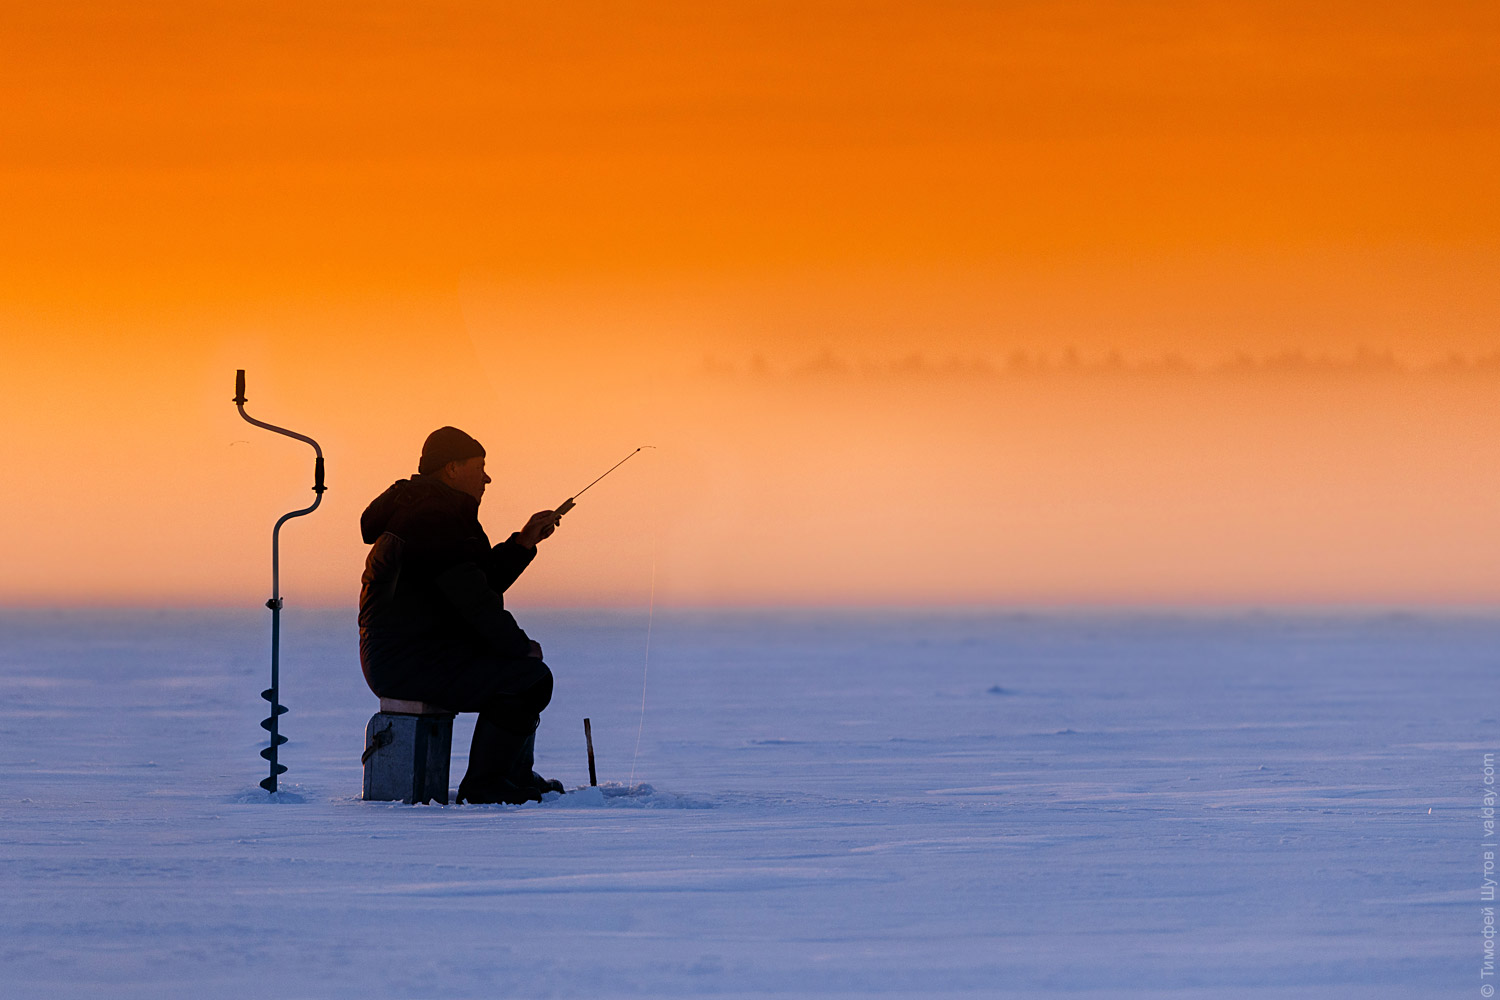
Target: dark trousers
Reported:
[(508, 694)]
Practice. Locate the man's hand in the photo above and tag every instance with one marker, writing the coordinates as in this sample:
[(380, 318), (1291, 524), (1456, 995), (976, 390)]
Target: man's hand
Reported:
[(542, 524), (535, 652)]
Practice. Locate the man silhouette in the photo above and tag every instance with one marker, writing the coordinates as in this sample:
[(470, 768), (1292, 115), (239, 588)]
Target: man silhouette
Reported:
[(432, 620)]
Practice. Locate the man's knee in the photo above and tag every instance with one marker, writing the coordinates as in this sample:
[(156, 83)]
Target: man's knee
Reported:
[(526, 700), (540, 692)]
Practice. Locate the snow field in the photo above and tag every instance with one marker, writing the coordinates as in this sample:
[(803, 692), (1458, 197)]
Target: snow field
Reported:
[(825, 804)]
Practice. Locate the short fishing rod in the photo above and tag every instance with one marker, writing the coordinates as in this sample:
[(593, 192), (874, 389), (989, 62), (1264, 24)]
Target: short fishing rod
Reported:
[(568, 504), (272, 693)]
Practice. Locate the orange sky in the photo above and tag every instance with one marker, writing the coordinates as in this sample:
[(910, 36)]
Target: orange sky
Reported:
[(577, 228)]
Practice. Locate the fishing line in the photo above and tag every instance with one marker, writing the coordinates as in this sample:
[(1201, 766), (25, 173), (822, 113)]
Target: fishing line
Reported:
[(568, 505), (646, 667), (650, 617)]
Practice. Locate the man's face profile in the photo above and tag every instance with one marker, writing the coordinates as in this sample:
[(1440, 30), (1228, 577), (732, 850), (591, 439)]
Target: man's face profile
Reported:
[(468, 476)]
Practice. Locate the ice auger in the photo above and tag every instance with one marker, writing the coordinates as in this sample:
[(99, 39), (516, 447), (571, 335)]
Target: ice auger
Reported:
[(272, 693)]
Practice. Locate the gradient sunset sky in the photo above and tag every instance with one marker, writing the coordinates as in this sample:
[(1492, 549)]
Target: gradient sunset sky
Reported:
[(939, 303)]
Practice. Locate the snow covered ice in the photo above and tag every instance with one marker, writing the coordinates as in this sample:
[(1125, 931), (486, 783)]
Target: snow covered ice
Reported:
[(824, 805)]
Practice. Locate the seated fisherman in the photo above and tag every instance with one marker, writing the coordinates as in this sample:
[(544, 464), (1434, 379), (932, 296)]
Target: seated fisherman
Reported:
[(432, 622)]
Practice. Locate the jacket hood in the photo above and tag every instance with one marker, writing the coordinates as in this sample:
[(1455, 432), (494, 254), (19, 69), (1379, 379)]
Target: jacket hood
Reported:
[(406, 495)]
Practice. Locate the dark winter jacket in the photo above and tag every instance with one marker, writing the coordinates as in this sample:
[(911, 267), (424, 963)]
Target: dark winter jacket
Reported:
[(431, 591)]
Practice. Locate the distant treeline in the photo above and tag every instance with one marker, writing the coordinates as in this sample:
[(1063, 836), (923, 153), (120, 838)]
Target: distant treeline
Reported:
[(1026, 363)]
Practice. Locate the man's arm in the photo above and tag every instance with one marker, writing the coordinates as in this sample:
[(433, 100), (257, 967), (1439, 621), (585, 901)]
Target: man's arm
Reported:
[(511, 557), (507, 561)]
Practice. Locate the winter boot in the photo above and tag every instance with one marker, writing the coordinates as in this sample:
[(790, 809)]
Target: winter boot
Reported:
[(495, 755), (523, 776)]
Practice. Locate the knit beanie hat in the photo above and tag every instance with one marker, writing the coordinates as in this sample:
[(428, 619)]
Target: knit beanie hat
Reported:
[(444, 445)]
